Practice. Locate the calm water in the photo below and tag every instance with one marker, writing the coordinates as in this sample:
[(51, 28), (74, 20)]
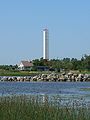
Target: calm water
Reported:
[(53, 90)]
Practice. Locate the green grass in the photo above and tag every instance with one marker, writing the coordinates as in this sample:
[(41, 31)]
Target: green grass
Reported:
[(16, 73), (20, 73), (24, 108), (30, 73), (85, 72)]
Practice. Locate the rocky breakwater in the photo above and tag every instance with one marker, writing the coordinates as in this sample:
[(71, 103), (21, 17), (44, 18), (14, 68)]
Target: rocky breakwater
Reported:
[(52, 77)]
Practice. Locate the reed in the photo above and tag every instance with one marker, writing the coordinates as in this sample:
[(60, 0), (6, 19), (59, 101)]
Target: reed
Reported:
[(29, 108)]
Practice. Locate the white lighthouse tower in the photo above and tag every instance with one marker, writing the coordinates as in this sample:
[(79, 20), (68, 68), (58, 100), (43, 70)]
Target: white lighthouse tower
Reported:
[(45, 44)]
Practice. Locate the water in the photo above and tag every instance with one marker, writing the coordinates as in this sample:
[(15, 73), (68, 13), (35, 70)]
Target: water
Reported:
[(54, 91)]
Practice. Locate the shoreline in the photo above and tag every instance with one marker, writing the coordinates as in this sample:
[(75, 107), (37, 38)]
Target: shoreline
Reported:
[(51, 77)]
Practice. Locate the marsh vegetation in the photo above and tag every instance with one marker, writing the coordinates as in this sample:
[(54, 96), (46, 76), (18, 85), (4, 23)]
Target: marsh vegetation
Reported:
[(29, 108)]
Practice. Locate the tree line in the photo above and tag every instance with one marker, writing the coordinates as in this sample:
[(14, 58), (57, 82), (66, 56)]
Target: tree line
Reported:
[(65, 63)]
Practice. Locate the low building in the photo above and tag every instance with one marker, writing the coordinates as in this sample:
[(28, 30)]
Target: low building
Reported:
[(25, 65), (42, 68)]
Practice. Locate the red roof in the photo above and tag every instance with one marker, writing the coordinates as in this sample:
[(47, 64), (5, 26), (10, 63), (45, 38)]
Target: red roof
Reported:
[(27, 63)]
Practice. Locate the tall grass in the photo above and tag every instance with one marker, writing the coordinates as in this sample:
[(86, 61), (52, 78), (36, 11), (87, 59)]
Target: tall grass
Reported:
[(25, 108)]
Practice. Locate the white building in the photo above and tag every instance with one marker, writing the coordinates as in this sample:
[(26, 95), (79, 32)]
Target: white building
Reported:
[(25, 65), (45, 44)]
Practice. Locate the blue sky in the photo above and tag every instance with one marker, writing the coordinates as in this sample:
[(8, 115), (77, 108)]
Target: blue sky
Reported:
[(22, 22)]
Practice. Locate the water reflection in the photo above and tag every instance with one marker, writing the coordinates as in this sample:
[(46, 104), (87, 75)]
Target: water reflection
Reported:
[(53, 93)]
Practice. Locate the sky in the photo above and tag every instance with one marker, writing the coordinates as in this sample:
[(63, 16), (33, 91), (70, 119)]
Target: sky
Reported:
[(22, 23)]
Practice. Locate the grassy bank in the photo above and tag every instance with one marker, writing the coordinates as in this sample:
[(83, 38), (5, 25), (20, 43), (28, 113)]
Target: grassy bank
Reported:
[(21, 108), (16, 73), (31, 73), (20, 73)]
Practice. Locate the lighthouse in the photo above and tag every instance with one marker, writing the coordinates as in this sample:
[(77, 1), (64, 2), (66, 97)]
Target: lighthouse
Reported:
[(45, 44)]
